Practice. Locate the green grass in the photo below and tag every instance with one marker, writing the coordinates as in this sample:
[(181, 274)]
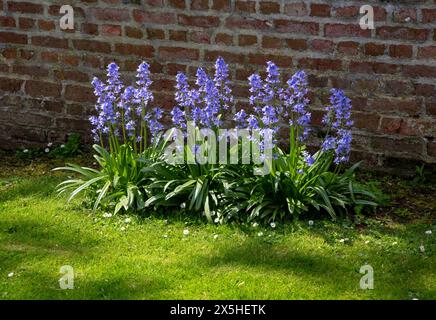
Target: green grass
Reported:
[(152, 259)]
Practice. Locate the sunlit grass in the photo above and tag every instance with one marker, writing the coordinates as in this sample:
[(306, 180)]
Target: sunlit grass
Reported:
[(151, 258)]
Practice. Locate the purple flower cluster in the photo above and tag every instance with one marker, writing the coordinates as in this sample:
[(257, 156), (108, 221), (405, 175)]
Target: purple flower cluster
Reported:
[(125, 110), (204, 104), (274, 104), (338, 121)]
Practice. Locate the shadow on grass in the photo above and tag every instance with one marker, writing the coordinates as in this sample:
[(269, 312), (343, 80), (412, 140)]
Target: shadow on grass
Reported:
[(37, 187)]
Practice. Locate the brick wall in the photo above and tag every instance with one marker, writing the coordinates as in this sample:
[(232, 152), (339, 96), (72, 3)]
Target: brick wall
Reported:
[(389, 72)]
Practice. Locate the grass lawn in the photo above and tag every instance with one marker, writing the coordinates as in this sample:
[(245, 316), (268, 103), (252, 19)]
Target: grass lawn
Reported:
[(151, 258)]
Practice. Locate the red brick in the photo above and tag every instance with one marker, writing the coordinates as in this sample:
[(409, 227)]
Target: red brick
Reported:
[(402, 33), (297, 9), (46, 25), (427, 52), (320, 64), (92, 45), (322, 45), (349, 48), (155, 34), (405, 15), (10, 85), (235, 22), (224, 38), (199, 21), (221, 5), (25, 7), (26, 23), (43, 89), (179, 4), (34, 71), (374, 49), (373, 67), (320, 10), (178, 35), (51, 42), (7, 22), (108, 14), (79, 93), (345, 30), (137, 50), (245, 6), (268, 7), (211, 56), (200, 4), (153, 17), (111, 30), (428, 15), (199, 37), (262, 59), (310, 28), (400, 51), (72, 75), (90, 28), (11, 37), (419, 71), (176, 53), (133, 32), (247, 40)]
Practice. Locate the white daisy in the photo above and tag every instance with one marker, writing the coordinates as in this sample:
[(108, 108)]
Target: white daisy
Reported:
[(428, 232), (260, 234), (185, 232), (272, 224), (127, 220), (10, 275), (310, 222)]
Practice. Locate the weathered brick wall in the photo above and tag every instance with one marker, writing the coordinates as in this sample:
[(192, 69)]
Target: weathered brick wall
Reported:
[(389, 72)]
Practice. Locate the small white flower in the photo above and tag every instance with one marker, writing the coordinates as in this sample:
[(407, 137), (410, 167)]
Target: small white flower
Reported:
[(215, 236), (10, 275), (255, 224), (367, 241), (107, 215), (272, 224), (394, 243), (185, 232), (310, 222), (343, 240), (62, 146), (428, 232), (127, 220), (165, 236), (217, 220), (25, 150), (260, 234), (183, 205), (422, 248), (123, 228), (46, 150), (49, 144), (166, 221)]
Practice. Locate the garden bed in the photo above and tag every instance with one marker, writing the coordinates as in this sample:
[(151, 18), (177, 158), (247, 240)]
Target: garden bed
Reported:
[(176, 257)]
